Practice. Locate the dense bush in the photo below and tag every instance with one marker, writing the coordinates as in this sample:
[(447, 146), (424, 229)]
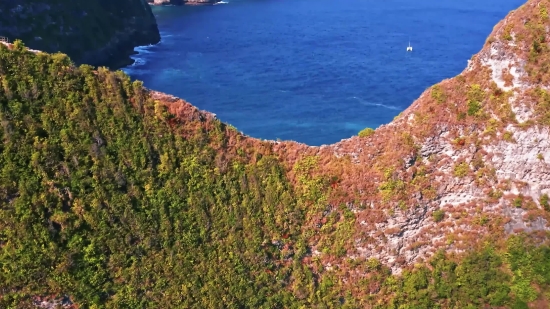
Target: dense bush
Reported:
[(366, 132)]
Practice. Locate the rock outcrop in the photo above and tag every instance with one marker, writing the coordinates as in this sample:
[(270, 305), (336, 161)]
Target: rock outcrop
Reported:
[(98, 32)]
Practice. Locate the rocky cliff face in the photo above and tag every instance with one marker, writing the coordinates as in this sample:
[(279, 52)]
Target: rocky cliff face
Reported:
[(468, 162), (99, 32), (182, 2)]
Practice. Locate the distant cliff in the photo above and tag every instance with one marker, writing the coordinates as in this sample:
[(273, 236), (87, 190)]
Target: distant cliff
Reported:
[(101, 32), (182, 2)]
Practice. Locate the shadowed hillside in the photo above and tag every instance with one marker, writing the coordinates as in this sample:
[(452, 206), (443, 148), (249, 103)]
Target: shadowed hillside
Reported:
[(100, 32)]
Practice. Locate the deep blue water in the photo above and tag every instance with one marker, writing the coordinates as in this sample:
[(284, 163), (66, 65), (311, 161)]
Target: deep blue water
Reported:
[(312, 71)]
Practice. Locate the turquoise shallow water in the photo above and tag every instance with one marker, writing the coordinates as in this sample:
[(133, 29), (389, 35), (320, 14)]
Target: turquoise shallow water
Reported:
[(312, 71)]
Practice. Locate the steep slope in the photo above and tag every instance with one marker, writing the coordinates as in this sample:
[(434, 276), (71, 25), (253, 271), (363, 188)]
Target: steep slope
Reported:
[(100, 32), (468, 160), (465, 165), (112, 195), (107, 197)]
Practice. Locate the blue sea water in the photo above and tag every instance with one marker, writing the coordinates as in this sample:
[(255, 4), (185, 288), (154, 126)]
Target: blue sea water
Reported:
[(312, 71)]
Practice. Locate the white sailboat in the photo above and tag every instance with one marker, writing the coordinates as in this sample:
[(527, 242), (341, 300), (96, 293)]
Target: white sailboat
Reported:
[(409, 48)]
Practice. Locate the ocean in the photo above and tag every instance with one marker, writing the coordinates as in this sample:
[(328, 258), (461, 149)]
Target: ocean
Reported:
[(312, 71)]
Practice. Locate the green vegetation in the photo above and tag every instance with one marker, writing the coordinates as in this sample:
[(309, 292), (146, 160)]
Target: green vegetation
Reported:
[(544, 202), (438, 215), (508, 136), (106, 197), (438, 94), (392, 187), (543, 107), (507, 33), (475, 98), (518, 201), (543, 12), (492, 127), (473, 107), (537, 66), (479, 279), (366, 132), (461, 169), (103, 201)]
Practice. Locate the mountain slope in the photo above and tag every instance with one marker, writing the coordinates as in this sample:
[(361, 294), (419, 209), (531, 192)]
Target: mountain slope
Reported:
[(473, 149), (100, 32), (116, 196)]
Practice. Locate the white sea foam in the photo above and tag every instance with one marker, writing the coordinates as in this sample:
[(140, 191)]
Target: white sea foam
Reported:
[(164, 34), (138, 61), (144, 49), (363, 102)]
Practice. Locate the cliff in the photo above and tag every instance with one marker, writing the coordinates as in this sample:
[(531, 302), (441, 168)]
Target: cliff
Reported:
[(468, 162), (99, 32), (119, 196)]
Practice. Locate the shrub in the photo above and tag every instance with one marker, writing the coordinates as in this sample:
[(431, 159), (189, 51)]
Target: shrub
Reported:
[(543, 12), (492, 126), (495, 194), (373, 263), (461, 169), (544, 202), (518, 201), (438, 94), (366, 132), (473, 107), (438, 215), (232, 128), (475, 97), (508, 136), (507, 35)]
